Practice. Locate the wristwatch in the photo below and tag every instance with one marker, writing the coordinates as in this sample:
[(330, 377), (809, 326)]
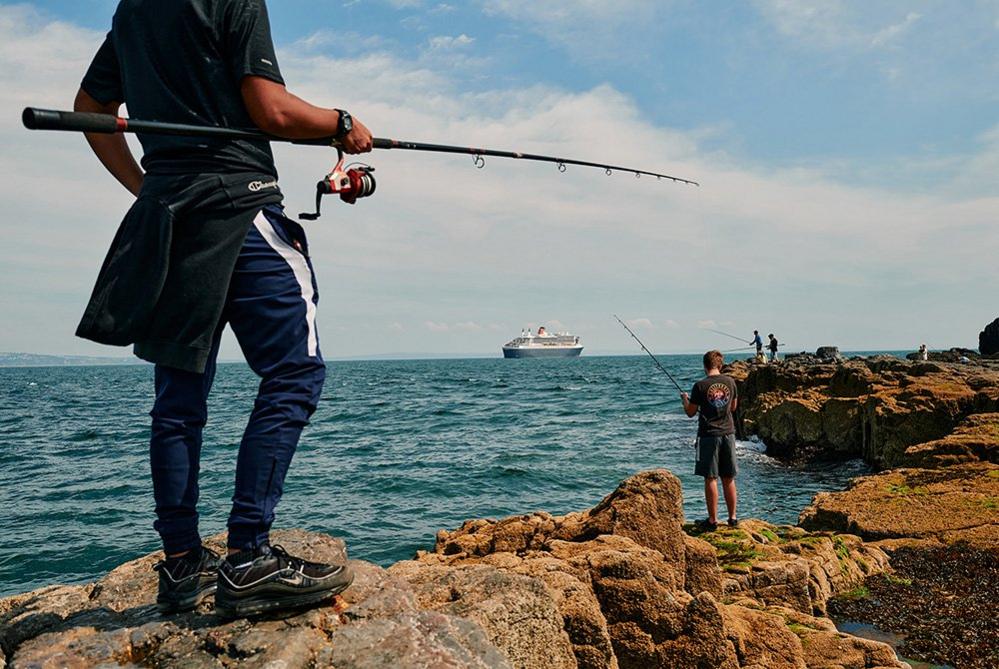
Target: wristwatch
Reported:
[(344, 125)]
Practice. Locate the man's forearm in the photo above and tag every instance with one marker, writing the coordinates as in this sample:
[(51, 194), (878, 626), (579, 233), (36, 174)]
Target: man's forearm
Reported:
[(111, 150), (276, 111), (298, 119)]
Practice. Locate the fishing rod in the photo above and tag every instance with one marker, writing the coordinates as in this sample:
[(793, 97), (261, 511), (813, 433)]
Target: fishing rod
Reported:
[(654, 358), (725, 334), (350, 182)]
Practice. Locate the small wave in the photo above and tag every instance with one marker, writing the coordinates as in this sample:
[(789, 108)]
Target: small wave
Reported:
[(753, 445)]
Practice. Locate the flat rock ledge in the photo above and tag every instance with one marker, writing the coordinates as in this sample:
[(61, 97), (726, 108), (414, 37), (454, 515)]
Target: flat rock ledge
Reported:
[(623, 585)]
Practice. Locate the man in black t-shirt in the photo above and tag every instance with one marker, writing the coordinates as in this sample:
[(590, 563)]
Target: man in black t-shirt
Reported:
[(207, 244), (714, 400)]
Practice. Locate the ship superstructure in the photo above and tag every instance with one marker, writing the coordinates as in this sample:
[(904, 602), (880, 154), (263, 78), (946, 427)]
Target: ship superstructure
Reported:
[(543, 345)]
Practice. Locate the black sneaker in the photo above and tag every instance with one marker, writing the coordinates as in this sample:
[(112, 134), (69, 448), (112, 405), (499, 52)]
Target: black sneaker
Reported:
[(187, 580), (269, 579), (733, 522)]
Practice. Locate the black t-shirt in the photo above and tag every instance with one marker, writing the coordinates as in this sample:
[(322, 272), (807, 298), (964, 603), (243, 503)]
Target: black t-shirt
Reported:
[(714, 396), (773, 344), (182, 61)]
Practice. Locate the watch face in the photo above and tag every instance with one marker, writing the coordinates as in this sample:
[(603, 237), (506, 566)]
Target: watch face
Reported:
[(348, 122)]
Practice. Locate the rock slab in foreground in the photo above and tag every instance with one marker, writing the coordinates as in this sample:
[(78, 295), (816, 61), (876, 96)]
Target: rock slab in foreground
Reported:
[(114, 622), (619, 586)]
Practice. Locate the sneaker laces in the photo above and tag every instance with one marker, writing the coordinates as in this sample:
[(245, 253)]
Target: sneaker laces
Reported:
[(286, 559)]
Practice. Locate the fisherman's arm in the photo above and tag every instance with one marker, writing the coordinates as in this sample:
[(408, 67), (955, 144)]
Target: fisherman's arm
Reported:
[(278, 112), (688, 407), (112, 150)]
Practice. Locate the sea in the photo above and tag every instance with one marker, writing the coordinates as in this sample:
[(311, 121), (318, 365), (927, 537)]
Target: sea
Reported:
[(396, 451)]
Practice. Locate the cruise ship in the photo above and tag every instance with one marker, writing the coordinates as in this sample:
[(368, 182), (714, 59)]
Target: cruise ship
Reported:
[(543, 345)]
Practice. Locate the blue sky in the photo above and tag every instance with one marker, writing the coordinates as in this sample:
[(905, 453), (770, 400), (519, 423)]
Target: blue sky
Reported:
[(784, 81), (847, 151)]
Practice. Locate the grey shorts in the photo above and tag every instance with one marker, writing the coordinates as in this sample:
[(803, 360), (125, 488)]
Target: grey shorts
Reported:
[(716, 457)]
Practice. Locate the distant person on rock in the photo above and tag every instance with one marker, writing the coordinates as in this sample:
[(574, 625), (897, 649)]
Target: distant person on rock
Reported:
[(207, 244), (924, 353), (714, 400), (758, 342), (772, 345)]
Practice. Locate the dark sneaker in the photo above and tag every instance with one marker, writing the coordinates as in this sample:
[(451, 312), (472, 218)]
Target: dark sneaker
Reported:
[(733, 522), (187, 580), (706, 525), (269, 579)]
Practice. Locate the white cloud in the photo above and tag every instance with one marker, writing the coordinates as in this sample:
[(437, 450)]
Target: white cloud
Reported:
[(443, 243), (829, 24), (587, 29), (437, 327), (448, 42), (640, 323), (889, 33), (468, 326)]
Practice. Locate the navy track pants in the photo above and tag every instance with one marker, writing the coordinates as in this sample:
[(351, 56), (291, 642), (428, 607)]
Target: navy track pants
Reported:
[(271, 308)]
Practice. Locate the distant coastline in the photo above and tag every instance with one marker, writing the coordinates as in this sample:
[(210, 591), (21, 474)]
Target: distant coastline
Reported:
[(14, 360), (41, 360)]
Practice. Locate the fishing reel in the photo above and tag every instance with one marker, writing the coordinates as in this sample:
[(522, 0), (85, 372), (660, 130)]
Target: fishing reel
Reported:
[(349, 182)]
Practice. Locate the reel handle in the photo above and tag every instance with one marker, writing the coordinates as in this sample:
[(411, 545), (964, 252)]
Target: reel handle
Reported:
[(322, 188)]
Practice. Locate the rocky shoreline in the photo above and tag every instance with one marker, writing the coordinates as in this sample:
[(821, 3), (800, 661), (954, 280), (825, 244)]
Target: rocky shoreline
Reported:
[(624, 584), (936, 515), (627, 584)]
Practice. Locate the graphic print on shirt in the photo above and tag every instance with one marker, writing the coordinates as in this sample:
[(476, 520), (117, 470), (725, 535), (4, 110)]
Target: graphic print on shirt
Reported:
[(719, 395)]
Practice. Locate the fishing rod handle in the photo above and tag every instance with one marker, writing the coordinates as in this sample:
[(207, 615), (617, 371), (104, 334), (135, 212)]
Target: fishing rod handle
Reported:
[(49, 119)]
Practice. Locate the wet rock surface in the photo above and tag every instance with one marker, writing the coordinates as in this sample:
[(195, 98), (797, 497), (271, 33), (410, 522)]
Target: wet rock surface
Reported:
[(941, 601), (618, 586)]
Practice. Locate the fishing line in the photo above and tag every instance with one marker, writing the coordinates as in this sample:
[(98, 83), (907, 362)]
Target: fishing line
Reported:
[(726, 334), (654, 358)]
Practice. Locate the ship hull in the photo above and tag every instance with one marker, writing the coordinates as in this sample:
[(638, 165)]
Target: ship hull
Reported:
[(542, 352)]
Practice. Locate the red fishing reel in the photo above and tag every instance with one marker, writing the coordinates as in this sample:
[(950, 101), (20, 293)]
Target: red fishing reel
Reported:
[(349, 182)]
